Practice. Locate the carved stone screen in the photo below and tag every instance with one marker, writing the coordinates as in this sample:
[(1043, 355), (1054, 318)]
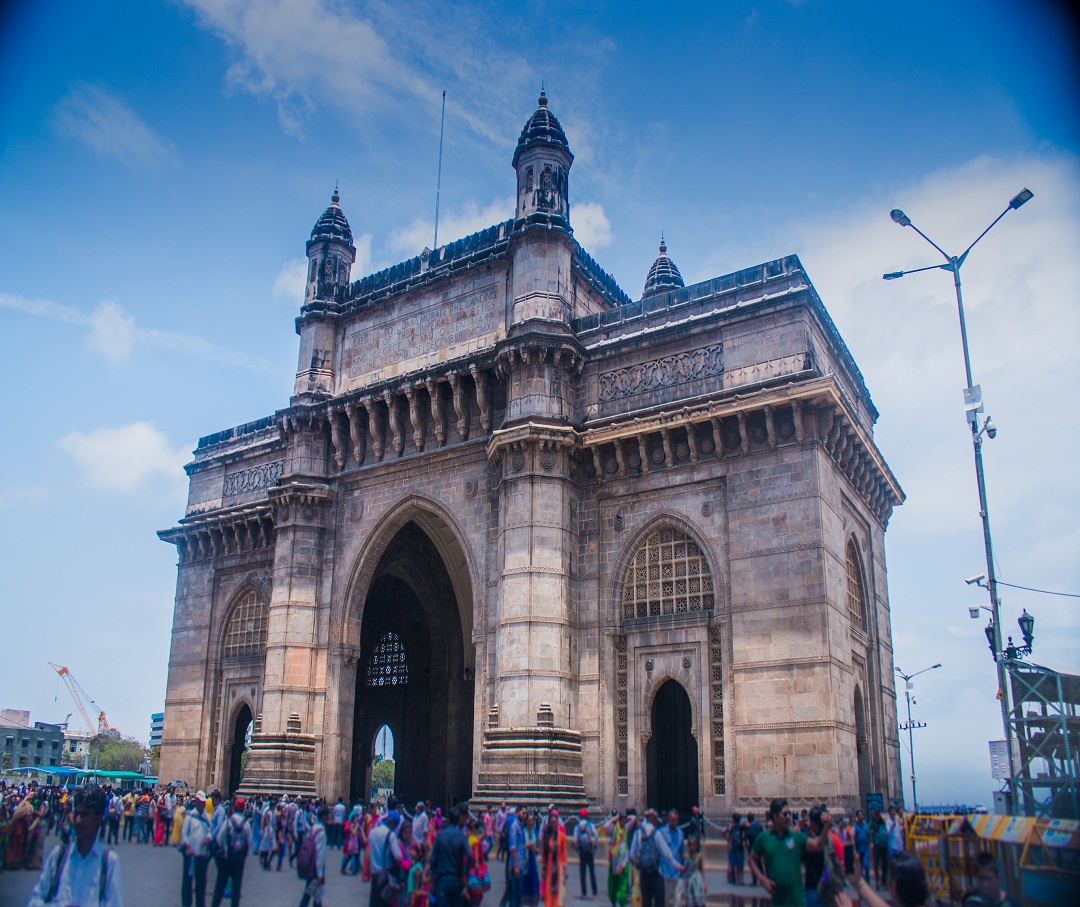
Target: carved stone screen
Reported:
[(667, 576), (246, 632), (387, 666)]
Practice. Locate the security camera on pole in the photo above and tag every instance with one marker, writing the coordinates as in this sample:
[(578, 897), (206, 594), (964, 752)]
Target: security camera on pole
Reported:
[(973, 406)]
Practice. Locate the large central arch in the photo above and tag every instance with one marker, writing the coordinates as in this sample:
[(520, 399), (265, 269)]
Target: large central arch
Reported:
[(414, 672)]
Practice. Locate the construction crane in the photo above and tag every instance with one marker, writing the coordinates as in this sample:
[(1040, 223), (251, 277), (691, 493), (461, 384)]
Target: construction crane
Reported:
[(81, 697)]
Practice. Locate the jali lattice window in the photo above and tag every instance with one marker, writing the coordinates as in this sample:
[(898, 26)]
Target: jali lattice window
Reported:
[(856, 589), (387, 666), (246, 630), (669, 575)]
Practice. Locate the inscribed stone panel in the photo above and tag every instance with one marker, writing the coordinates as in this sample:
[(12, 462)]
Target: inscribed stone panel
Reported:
[(421, 333)]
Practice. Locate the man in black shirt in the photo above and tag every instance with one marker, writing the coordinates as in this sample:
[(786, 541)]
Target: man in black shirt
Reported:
[(450, 860)]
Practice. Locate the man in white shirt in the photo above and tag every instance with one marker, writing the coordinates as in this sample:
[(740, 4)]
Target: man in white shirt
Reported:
[(83, 872), (339, 824), (195, 849), (420, 823)]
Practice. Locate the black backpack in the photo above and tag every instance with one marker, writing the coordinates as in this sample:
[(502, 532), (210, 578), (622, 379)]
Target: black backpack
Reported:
[(648, 852)]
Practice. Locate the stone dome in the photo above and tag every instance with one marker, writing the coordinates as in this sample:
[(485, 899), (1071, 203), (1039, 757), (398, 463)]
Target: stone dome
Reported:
[(542, 128), (663, 275), (333, 223)]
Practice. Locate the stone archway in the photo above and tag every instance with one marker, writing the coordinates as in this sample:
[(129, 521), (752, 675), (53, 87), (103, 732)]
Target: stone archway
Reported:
[(414, 674), (241, 727), (862, 749), (671, 755)]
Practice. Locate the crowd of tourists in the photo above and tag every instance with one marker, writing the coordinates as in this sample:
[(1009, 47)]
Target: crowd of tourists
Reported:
[(431, 858)]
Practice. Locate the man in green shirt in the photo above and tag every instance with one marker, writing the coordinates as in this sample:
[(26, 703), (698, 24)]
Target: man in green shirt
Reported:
[(776, 860)]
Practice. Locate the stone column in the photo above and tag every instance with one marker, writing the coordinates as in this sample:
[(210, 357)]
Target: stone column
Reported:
[(282, 758)]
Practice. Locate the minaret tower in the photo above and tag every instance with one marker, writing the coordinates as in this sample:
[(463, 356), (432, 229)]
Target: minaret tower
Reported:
[(331, 254), (542, 161)]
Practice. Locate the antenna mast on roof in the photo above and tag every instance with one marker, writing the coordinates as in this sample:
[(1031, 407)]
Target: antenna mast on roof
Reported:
[(438, 182)]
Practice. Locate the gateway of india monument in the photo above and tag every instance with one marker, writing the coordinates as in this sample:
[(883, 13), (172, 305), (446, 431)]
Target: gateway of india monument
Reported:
[(569, 545)]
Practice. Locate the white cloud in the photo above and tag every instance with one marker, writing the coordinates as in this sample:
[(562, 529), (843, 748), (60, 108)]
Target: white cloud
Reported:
[(387, 58), (591, 226), (114, 333), (411, 240), (291, 279), (22, 497), (107, 125), (121, 459)]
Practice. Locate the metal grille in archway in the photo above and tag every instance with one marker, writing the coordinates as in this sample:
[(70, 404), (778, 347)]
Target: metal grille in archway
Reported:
[(387, 666), (669, 575), (245, 633)]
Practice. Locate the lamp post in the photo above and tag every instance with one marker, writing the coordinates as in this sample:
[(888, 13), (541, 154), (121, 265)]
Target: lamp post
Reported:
[(973, 406), (911, 726)]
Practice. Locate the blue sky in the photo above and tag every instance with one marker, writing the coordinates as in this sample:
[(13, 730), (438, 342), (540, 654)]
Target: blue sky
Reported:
[(161, 165)]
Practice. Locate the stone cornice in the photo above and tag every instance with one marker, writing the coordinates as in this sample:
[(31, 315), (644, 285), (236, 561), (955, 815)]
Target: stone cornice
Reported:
[(232, 530)]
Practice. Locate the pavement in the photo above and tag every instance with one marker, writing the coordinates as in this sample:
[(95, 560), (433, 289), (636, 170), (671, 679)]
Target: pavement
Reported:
[(151, 878)]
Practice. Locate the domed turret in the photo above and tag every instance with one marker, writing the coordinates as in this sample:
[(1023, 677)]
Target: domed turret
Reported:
[(330, 252), (663, 275), (542, 160)]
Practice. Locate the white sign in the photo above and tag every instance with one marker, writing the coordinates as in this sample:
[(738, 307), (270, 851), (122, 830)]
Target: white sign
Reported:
[(999, 759)]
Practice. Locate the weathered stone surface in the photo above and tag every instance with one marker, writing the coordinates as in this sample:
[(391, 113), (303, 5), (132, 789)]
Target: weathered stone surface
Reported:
[(488, 451)]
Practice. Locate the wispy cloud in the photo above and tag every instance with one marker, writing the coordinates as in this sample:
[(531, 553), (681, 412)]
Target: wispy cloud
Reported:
[(123, 458), (104, 123), (21, 497), (385, 58), (113, 332)]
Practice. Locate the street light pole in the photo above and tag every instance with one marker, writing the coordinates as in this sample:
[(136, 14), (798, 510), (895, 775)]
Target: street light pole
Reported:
[(973, 406), (911, 727)]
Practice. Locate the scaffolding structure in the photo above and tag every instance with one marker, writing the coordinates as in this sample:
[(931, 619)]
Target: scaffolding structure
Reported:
[(1044, 719)]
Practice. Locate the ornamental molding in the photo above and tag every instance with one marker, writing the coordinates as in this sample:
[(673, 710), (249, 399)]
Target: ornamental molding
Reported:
[(668, 371), (254, 478)]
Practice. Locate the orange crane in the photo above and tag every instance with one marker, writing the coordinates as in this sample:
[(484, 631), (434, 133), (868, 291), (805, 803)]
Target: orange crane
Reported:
[(81, 698)]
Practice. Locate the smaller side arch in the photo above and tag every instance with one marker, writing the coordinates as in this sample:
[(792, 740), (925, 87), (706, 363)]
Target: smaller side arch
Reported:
[(245, 625), (672, 767)]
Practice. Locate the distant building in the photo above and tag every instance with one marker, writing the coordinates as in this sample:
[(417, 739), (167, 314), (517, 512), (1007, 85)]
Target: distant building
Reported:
[(22, 746), (157, 723)]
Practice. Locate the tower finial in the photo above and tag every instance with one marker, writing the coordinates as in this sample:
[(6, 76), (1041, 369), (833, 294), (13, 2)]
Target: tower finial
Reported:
[(663, 244), (543, 96), (335, 198)]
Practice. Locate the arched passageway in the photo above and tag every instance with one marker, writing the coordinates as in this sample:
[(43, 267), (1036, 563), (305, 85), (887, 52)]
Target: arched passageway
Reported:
[(671, 755), (241, 729), (414, 676), (862, 749)]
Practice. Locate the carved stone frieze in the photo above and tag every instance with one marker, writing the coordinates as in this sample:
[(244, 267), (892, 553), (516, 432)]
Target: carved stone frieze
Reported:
[(252, 479), (668, 371)]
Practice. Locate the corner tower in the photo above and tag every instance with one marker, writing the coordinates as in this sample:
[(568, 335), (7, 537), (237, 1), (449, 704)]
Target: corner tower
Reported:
[(542, 160), (331, 254)]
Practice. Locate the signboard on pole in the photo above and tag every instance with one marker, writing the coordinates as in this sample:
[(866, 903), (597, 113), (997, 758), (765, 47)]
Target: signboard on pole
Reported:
[(999, 759), (875, 801)]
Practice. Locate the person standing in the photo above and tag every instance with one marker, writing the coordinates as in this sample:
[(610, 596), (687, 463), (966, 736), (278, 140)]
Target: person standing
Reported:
[(129, 814), (234, 842), (585, 839), (338, 837), (384, 855), (450, 860), (420, 823), (195, 849), (860, 834), (673, 836), (648, 851), (894, 828), (515, 856), (554, 874), (618, 885), (113, 816), (500, 832), (776, 860), (316, 885), (83, 872)]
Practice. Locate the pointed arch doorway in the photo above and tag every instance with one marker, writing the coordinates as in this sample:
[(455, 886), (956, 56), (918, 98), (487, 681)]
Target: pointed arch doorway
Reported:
[(240, 735), (671, 755), (415, 672)]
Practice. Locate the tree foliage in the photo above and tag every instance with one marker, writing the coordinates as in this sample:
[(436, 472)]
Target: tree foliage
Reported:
[(382, 774), (116, 754)]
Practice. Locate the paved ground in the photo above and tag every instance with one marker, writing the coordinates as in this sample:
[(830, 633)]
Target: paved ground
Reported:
[(152, 879)]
